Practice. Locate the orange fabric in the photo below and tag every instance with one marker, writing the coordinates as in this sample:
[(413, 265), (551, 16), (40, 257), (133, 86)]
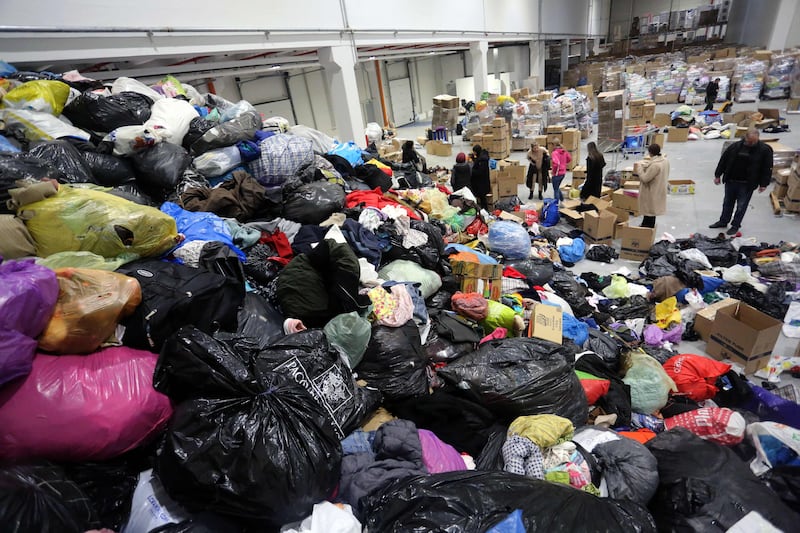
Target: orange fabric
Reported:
[(641, 435), (464, 256)]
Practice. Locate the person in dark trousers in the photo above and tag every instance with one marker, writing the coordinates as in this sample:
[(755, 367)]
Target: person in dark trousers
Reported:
[(712, 90), (461, 173), (479, 180), (654, 177), (594, 172), (745, 166)]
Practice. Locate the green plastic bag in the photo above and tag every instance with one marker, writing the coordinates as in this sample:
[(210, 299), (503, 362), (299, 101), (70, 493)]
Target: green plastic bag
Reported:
[(403, 270), (83, 260), (77, 219), (350, 333), (649, 382), (618, 288), (500, 316)]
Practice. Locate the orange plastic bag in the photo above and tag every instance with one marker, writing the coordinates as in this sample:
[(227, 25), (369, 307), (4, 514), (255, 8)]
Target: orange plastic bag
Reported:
[(90, 305)]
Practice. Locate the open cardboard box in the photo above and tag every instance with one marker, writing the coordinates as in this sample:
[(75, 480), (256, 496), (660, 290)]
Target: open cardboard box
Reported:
[(704, 319), (744, 335), (636, 241), (599, 226)]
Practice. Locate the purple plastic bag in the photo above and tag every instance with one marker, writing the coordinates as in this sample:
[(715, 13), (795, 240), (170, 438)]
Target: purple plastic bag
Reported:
[(655, 336), (773, 408), (28, 294), (439, 456)]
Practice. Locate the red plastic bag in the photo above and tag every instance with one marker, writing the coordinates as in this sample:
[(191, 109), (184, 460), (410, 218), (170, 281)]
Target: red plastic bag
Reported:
[(82, 407), (477, 227), (531, 217), (594, 387), (471, 305), (695, 375)]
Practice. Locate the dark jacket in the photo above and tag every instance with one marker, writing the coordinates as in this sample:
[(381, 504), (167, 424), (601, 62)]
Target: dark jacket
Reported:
[(712, 89), (758, 172), (479, 181), (460, 176), (594, 179)]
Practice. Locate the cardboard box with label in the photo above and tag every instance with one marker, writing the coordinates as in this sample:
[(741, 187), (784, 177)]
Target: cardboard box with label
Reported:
[(636, 241), (546, 323), (677, 135), (704, 319), (599, 226), (649, 112), (744, 335), (446, 101), (681, 187)]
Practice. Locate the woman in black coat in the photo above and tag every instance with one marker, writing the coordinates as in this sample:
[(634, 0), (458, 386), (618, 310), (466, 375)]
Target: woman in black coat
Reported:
[(594, 173), (479, 181), (461, 174)]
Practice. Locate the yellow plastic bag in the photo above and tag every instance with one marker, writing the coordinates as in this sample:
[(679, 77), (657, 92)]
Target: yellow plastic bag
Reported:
[(83, 260), (78, 219), (667, 313), (618, 288), (46, 96), (90, 304), (545, 430), (434, 202)]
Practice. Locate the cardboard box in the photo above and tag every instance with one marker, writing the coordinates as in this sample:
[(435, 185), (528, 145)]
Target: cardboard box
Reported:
[(578, 171), (439, 148), (446, 101), (744, 335), (649, 112), (781, 176), (482, 278), (705, 317), (661, 120), (677, 135), (627, 200), (571, 139), (636, 111), (506, 186), (599, 225), (681, 187), (671, 98), (555, 129), (546, 323), (780, 191), (659, 138), (622, 219), (793, 191), (636, 241)]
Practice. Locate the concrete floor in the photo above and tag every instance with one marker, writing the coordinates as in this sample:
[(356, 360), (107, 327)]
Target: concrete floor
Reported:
[(686, 215)]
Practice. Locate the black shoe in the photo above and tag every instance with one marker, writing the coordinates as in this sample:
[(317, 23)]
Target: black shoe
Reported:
[(733, 230), (718, 224), (530, 196), (540, 195)]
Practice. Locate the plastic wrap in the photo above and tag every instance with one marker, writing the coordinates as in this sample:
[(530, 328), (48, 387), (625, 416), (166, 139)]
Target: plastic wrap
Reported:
[(90, 304), (509, 239), (751, 79), (38, 126), (98, 222), (778, 80), (217, 162), (43, 96)]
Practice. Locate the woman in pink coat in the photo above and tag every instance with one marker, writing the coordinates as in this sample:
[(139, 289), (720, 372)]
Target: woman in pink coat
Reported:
[(560, 159)]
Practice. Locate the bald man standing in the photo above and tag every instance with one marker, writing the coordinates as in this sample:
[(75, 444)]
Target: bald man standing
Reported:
[(745, 166)]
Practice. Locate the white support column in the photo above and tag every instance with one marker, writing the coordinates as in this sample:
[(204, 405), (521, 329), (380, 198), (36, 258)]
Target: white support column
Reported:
[(564, 58), (521, 67), (339, 65), (584, 47), (783, 25), (480, 66), (537, 53)]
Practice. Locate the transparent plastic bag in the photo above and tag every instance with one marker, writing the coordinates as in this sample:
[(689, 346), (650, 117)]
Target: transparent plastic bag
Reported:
[(170, 119), (123, 84), (649, 382), (44, 96), (618, 288), (90, 305), (217, 162), (350, 333), (509, 239), (40, 126)]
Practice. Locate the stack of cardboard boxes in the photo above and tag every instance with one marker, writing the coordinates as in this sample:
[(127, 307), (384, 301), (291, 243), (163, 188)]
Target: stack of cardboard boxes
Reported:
[(445, 112), (791, 202), (609, 115), (640, 111), (495, 137), (570, 139)]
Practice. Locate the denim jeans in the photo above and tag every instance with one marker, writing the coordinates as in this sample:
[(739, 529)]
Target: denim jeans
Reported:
[(736, 193), (556, 187)]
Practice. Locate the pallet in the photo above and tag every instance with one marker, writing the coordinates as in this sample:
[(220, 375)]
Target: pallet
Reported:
[(779, 207)]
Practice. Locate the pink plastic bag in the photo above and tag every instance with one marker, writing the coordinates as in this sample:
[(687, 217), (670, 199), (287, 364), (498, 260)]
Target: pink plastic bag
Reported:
[(82, 407), (439, 456), (717, 424)]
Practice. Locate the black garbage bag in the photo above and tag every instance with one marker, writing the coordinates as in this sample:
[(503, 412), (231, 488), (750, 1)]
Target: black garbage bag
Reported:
[(629, 469), (618, 399), (719, 251), (95, 112), (312, 203), (455, 416), (606, 347), (733, 390), (451, 336), (257, 320), (161, 166), (770, 303), (429, 254), (43, 499), (473, 502), (66, 158), (552, 234), (22, 166), (241, 128), (507, 203), (565, 285), (243, 441), (662, 355), (663, 248), (108, 169), (634, 307), (440, 300), (197, 128), (595, 281), (491, 456), (785, 481), (522, 376), (131, 192), (602, 253), (308, 357), (109, 486), (395, 362), (202, 523), (538, 271), (658, 267), (705, 487)]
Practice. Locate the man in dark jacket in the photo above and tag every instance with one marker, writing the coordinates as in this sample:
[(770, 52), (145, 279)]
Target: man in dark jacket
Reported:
[(744, 167), (712, 90)]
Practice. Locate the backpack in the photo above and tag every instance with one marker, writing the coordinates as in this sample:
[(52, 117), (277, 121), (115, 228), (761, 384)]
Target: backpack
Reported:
[(176, 295), (549, 216)]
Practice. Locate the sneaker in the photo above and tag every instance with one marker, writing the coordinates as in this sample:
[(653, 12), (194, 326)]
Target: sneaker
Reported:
[(733, 230), (718, 224)]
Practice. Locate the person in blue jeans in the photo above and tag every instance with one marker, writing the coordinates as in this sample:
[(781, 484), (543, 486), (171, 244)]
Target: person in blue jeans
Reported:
[(560, 160), (745, 166)]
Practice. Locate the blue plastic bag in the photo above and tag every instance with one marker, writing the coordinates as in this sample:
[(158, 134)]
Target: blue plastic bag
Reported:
[(509, 239), (349, 151), (574, 329), (201, 226), (573, 252), (6, 146), (710, 284), (511, 524), (6, 69), (549, 213)]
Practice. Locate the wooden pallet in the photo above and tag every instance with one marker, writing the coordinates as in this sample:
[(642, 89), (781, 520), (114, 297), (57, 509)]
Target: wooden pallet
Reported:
[(779, 207)]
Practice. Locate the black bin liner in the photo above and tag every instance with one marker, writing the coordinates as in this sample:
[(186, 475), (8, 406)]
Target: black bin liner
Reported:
[(91, 111), (108, 169), (395, 362), (312, 203), (66, 158), (161, 166), (538, 271)]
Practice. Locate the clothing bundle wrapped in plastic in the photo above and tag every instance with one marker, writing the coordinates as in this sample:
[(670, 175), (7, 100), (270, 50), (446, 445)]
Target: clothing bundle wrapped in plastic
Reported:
[(98, 222), (509, 239)]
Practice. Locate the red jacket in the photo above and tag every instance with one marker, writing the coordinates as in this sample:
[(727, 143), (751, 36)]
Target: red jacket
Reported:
[(560, 159)]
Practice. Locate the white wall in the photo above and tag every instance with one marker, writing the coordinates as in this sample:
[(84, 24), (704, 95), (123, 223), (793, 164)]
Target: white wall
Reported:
[(751, 22), (794, 33)]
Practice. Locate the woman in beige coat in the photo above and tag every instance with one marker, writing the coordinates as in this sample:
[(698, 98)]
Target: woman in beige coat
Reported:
[(653, 175)]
